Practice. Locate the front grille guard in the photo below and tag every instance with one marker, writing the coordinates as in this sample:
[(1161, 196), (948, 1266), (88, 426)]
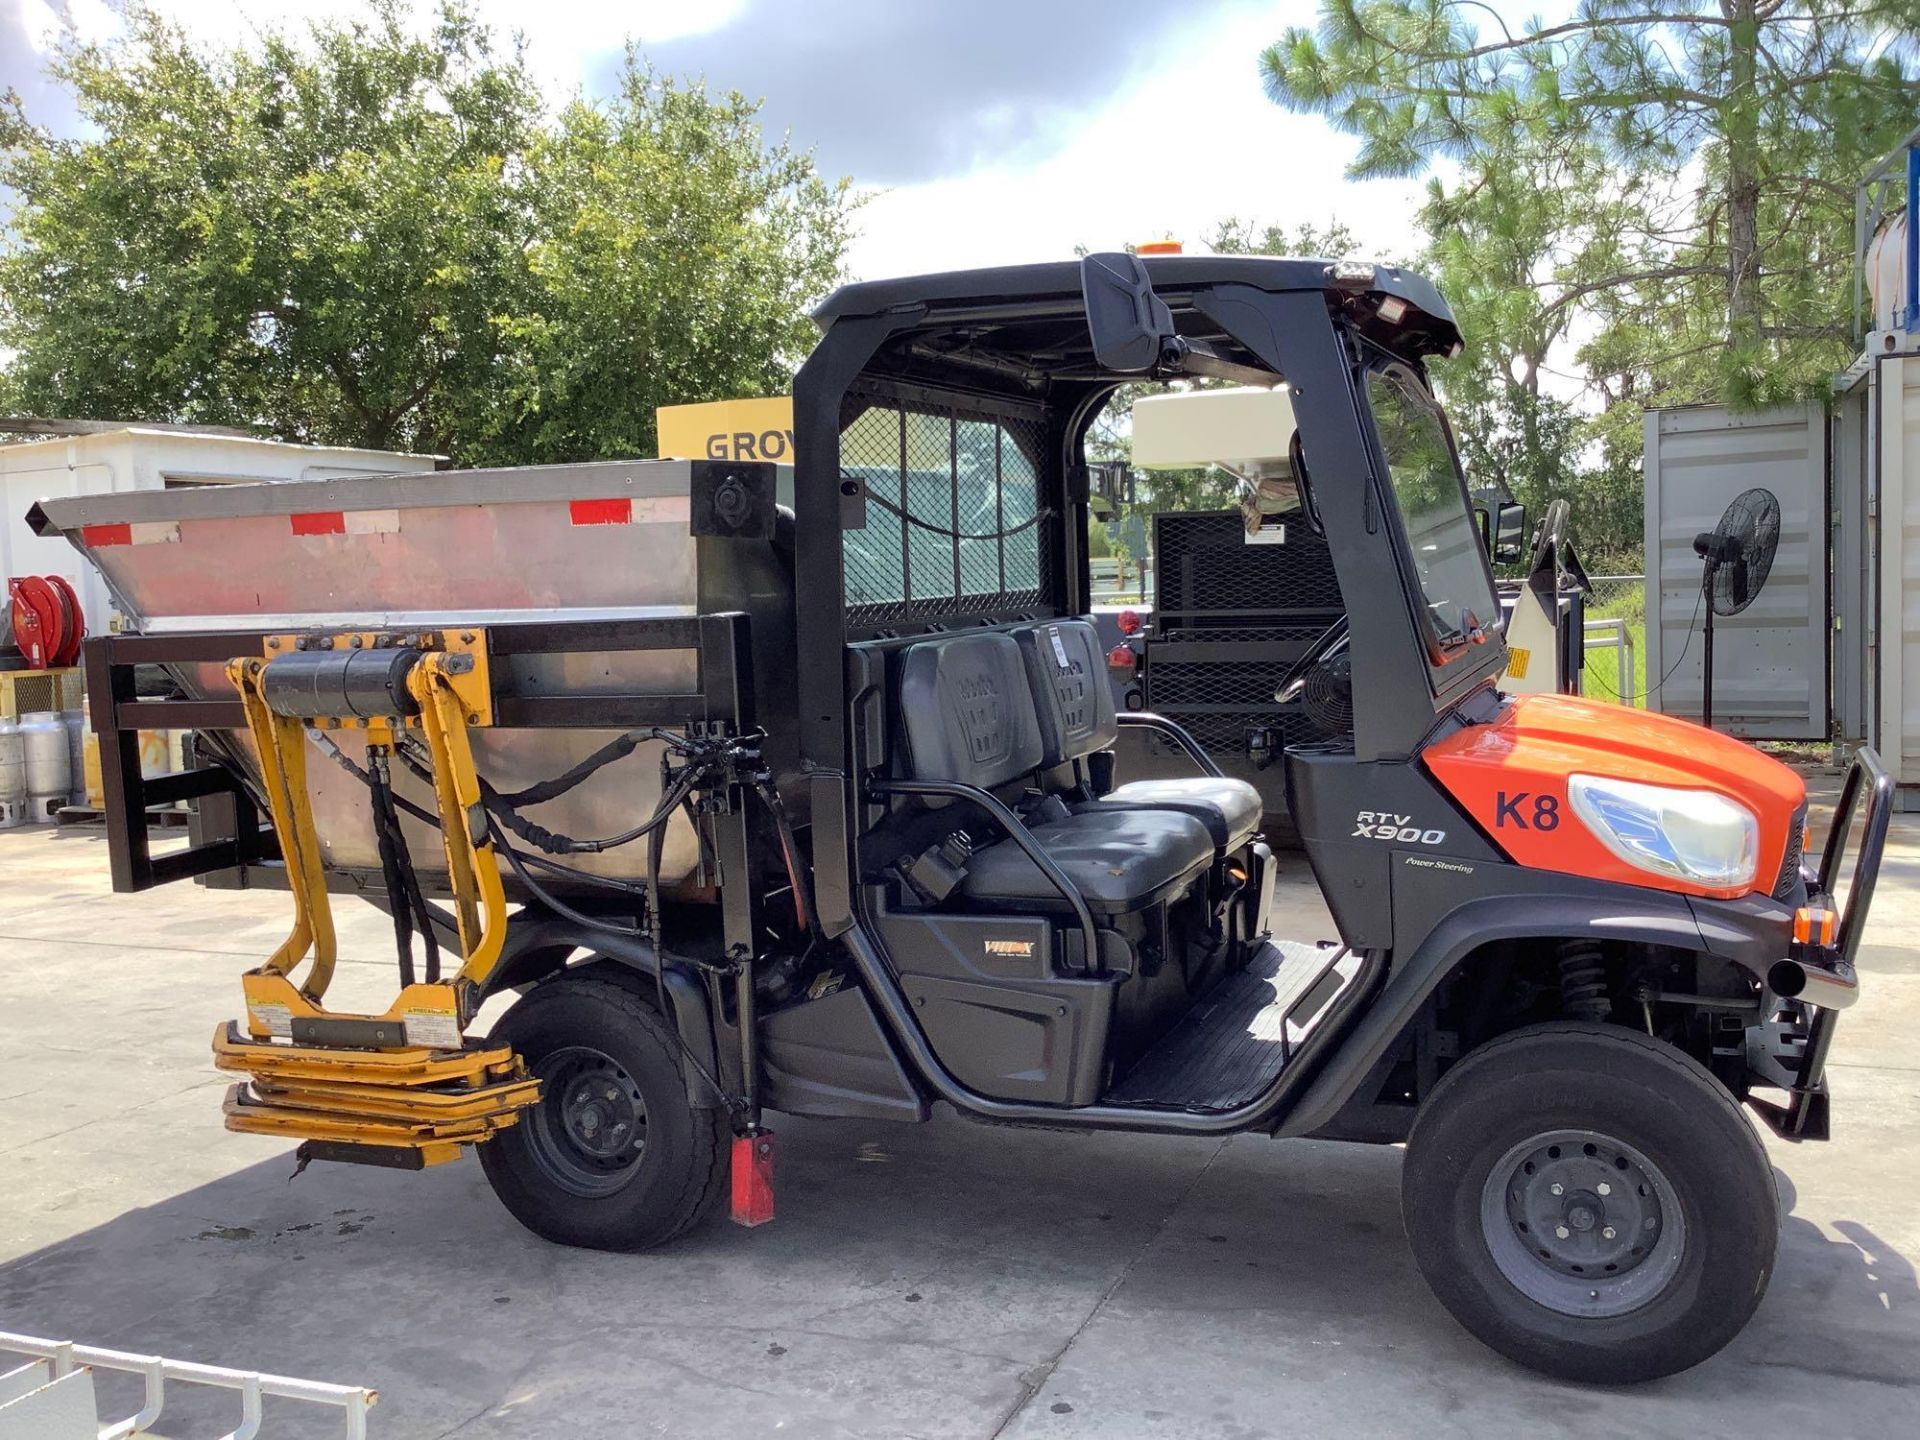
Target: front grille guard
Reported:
[(1805, 1116), (1867, 775)]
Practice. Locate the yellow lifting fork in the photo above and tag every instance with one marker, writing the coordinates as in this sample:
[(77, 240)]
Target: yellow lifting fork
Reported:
[(404, 1088)]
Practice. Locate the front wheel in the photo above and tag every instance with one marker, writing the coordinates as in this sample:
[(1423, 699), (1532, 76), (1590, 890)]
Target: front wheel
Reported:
[(614, 1156), (1591, 1203)]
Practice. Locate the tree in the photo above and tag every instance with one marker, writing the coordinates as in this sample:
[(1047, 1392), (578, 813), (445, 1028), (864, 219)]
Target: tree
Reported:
[(375, 237), (1656, 199), (1713, 146), (1525, 429)]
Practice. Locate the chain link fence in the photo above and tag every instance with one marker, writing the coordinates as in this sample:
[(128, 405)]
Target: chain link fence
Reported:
[(1616, 639)]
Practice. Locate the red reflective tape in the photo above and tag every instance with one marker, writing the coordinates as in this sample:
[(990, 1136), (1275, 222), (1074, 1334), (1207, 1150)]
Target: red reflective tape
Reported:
[(97, 536), (320, 522), (618, 511)]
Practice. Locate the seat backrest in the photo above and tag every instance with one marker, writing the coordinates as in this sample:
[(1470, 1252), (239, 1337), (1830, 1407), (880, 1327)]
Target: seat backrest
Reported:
[(966, 711), (1071, 691)]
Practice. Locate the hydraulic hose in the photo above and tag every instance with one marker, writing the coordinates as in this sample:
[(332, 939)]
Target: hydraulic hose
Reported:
[(553, 902), (803, 908), (557, 844), (545, 790)]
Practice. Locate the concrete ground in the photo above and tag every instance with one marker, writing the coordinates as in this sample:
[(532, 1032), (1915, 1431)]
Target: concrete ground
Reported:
[(939, 1280)]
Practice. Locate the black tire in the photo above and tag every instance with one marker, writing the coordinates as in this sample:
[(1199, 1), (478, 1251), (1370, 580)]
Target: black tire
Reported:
[(1713, 1221), (646, 1194)]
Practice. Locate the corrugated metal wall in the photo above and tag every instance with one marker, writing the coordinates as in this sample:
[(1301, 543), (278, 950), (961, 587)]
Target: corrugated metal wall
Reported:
[(1853, 521), (1770, 661), (1897, 403)]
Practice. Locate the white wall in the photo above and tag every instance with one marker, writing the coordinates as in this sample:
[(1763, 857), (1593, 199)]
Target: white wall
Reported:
[(137, 459)]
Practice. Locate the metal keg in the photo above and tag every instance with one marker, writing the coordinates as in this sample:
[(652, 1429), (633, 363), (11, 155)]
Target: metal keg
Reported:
[(49, 763), (76, 723), (13, 775)]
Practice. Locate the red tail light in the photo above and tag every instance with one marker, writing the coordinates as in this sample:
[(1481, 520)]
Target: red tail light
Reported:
[(1129, 622), (1121, 657)]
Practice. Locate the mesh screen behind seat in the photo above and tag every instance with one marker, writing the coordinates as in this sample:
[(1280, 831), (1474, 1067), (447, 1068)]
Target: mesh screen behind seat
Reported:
[(954, 522)]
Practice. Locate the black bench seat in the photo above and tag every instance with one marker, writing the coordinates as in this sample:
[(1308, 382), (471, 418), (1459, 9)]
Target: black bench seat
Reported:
[(1075, 710), (968, 716), (1119, 861)]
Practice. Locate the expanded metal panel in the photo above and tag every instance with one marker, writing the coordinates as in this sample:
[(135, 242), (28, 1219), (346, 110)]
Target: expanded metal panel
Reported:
[(1217, 702), (1770, 661), (954, 522), (1230, 620), (1210, 578)]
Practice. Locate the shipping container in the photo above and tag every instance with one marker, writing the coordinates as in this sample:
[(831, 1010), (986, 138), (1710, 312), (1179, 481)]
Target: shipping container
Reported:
[(1770, 661)]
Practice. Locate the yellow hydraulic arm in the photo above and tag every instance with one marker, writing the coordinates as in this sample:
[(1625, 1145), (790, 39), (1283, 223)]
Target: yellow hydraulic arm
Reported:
[(404, 1087)]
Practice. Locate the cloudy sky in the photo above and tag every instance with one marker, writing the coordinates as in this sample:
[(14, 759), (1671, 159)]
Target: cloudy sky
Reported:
[(985, 131)]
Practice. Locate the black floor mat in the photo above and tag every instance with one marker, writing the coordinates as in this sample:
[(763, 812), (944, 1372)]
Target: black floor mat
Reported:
[(1235, 1040)]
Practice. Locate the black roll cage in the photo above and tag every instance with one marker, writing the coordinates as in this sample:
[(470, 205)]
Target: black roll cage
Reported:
[(1020, 334)]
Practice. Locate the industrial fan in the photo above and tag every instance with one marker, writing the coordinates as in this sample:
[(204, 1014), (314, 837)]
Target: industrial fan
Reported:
[(1328, 696), (1737, 556), (1321, 681)]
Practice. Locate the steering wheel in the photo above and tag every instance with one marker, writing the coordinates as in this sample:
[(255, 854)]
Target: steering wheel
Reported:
[(1332, 641)]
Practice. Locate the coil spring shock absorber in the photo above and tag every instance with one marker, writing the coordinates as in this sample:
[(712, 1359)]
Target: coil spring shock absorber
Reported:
[(1583, 981)]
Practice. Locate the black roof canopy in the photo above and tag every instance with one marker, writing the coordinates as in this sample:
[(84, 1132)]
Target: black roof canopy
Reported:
[(1032, 317)]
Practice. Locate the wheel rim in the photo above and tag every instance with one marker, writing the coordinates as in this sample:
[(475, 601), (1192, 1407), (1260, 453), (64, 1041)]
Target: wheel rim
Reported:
[(1582, 1223), (588, 1134)]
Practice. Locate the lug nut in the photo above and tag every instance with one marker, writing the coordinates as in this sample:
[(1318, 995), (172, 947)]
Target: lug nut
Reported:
[(1557, 1189), (1604, 1188), (1562, 1231), (1607, 1233)]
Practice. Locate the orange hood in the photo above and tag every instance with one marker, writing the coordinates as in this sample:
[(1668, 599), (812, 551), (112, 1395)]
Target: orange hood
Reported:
[(1511, 776)]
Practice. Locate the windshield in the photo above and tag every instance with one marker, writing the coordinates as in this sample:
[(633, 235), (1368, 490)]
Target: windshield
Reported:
[(1432, 498)]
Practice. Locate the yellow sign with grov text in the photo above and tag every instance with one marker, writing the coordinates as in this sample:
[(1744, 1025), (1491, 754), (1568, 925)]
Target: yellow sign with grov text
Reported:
[(759, 429)]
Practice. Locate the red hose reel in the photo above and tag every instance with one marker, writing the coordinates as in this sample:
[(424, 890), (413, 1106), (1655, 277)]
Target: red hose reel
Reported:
[(47, 622)]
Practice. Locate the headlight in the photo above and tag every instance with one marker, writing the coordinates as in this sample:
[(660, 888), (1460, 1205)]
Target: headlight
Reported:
[(1692, 834)]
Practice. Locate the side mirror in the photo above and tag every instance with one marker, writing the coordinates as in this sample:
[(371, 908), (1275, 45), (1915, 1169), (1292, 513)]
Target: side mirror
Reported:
[(1127, 322), (1510, 532), (1110, 484)]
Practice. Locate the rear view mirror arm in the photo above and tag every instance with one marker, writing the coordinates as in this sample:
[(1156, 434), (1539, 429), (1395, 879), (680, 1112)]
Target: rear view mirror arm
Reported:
[(1179, 356)]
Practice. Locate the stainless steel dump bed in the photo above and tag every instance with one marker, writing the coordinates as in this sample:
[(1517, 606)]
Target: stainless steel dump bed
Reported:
[(598, 543)]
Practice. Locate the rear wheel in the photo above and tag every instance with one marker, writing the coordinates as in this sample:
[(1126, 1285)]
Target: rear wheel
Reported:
[(1591, 1203), (614, 1156)]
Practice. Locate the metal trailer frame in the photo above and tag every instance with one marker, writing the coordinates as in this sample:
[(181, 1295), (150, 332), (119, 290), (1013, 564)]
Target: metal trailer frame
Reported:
[(232, 837), (231, 847), (1218, 664), (1872, 202)]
